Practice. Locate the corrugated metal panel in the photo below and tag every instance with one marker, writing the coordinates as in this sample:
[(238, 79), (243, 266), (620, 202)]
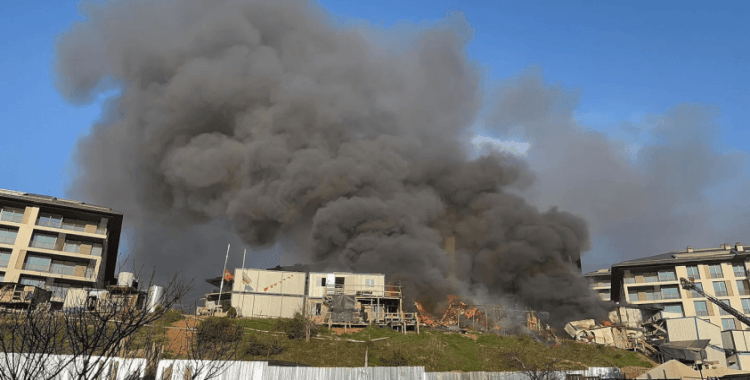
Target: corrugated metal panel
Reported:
[(716, 354), (743, 361), (123, 367), (680, 329), (707, 330)]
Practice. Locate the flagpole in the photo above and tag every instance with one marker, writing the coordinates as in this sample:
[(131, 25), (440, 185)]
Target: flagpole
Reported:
[(221, 287), (242, 305)]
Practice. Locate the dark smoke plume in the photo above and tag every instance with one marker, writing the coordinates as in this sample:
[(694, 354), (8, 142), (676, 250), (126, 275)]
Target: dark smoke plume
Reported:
[(659, 198), (261, 116)]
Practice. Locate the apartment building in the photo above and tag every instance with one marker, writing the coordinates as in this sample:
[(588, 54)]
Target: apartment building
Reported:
[(721, 272), (56, 244), (601, 282)]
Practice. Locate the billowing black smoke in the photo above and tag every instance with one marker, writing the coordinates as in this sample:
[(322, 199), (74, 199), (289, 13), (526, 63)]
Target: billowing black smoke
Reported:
[(261, 117)]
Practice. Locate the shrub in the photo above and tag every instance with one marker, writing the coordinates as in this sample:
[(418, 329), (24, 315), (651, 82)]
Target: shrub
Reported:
[(172, 316), (396, 359), (294, 328), (255, 347), (232, 312), (218, 330)]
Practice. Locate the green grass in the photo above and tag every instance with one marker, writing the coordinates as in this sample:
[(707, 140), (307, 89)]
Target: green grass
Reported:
[(436, 351)]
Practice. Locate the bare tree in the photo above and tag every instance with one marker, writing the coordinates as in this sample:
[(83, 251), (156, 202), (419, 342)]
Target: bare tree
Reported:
[(85, 342), (535, 371), (209, 347)]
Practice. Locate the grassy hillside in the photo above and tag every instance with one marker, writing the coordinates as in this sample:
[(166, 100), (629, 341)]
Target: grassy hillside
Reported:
[(435, 350)]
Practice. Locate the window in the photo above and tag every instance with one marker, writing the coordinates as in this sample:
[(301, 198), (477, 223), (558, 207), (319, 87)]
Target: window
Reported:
[(74, 225), (607, 283), (96, 250), (695, 294), (2, 276), (629, 278), (693, 273), (4, 258), (739, 270), (670, 292), (701, 309), (369, 282), (32, 281), (746, 305), (322, 280), (604, 296), (633, 297), (722, 311), (715, 271), (72, 246), (653, 295), (67, 268), (674, 309), (37, 263), (720, 289), (49, 220), (743, 288), (728, 324), (650, 277), (667, 275), (8, 236), (44, 241), (10, 214), (315, 309)]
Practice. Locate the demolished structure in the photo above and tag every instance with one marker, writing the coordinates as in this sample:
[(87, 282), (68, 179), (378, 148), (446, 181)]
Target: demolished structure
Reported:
[(336, 298)]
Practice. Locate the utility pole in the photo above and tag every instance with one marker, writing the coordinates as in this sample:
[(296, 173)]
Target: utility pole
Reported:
[(221, 287)]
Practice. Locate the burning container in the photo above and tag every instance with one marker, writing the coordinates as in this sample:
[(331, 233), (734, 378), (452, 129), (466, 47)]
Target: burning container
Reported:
[(155, 298)]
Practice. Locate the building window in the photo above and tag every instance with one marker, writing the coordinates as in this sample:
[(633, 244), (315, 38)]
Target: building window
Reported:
[(323, 281), (722, 311), (629, 278), (633, 297), (606, 283), (674, 309), (2, 276), (49, 220), (728, 324), (72, 246), (67, 268), (369, 282), (739, 270), (720, 289), (653, 295), (96, 250), (44, 241), (651, 277), (10, 214), (37, 263), (695, 294), (715, 271), (746, 305), (743, 288), (693, 273), (604, 296), (4, 258), (667, 275), (315, 309), (59, 291), (670, 292), (74, 225), (701, 309), (39, 283), (8, 236)]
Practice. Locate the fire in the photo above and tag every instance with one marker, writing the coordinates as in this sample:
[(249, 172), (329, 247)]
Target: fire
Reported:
[(455, 312)]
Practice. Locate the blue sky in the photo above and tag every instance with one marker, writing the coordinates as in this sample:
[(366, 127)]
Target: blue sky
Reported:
[(627, 60)]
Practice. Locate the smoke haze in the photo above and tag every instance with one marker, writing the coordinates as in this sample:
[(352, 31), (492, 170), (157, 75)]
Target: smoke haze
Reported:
[(258, 120), (657, 197)]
